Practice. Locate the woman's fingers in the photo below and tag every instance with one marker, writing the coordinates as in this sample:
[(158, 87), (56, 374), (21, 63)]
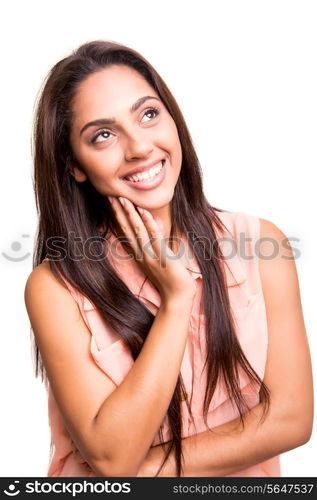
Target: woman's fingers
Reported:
[(142, 231), (139, 229), (146, 238), (133, 227), (125, 226), (156, 236)]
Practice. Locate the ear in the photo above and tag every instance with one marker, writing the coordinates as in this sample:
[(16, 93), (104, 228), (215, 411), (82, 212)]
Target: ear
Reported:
[(77, 173)]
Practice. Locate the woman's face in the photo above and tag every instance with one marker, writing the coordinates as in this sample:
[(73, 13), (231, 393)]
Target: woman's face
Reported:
[(110, 141)]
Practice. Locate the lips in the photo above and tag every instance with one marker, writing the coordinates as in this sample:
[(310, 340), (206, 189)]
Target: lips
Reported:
[(144, 168), (151, 182)]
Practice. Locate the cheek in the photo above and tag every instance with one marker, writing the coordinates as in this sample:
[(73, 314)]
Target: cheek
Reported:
[(98, 166), (176, 149), (171, 141)]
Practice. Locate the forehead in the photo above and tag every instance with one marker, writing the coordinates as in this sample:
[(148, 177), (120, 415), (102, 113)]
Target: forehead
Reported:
[(109, 92)]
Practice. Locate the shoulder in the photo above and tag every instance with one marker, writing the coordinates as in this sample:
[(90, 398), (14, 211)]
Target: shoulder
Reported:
[(266, 231), (272, 254), (273, 244), (277, 267), (270, 230), (44, 289), (238, 222), (41, 277)]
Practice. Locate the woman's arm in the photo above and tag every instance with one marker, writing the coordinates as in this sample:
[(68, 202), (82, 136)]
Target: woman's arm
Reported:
[(229, 449), (113, 426), (288, 376), (100, 416)]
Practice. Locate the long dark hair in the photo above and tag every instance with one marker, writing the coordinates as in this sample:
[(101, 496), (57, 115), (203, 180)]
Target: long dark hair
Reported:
[(67, 207)]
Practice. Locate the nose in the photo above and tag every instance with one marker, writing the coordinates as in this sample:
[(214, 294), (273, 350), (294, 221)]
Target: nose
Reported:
[(138, 145)]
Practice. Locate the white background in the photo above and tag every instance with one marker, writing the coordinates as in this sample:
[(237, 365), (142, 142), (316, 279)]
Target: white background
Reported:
[(244, 74)]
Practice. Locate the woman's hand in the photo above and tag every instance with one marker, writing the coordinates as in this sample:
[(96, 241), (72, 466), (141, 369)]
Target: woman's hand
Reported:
[(156, 259)]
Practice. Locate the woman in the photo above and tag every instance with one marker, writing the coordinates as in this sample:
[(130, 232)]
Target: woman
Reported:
[(162, 356)]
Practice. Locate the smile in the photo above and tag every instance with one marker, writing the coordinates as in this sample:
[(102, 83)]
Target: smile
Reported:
[(149, 179)]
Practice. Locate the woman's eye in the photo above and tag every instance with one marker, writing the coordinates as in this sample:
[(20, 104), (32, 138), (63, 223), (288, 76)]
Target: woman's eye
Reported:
[(152, 111), (100, 136), (103, 135)]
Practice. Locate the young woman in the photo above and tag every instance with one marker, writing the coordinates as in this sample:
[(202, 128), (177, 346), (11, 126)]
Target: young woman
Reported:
[(165, 351)]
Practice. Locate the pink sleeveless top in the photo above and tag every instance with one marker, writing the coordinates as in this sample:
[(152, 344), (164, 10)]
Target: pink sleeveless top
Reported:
[(112, 356)]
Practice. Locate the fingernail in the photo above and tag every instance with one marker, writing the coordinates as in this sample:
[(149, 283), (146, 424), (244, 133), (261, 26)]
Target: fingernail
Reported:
[(121, 200), (141, 210), (110, 199)]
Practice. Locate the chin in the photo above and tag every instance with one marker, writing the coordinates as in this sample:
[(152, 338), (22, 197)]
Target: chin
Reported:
[(156, 202)]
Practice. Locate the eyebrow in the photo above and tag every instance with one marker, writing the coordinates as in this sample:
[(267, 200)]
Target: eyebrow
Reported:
[(110, 121)]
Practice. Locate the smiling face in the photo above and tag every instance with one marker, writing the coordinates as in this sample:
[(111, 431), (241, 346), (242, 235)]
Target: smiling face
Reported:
[(121, 127)]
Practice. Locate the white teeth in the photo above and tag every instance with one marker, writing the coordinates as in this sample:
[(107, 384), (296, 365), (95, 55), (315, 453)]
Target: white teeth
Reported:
[(146, 175)]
